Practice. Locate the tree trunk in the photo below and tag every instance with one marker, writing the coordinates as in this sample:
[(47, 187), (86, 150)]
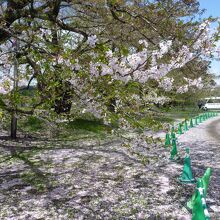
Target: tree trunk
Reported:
[(15, 87), (13, 126)]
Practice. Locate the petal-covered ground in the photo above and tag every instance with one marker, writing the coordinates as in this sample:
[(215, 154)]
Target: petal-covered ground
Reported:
[(102, 180)]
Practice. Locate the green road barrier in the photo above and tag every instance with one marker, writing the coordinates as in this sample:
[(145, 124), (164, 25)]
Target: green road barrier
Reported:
[(174, 153), (201, 183), (180, 130), (191, 123), (199, 209), (186, 126), (187, 175), (200, 119), (196, 120), (173, 135), (205, 180), (183, 126), (191, 202), (167, 140)]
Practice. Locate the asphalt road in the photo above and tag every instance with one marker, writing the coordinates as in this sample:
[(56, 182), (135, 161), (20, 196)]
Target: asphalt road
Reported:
[(214, 129)]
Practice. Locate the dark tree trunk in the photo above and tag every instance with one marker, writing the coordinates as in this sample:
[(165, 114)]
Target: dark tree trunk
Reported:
[(15, 87), (13, 126), (63, 102)]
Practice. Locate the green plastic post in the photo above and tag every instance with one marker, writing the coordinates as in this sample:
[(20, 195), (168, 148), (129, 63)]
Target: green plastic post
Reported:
[(180, 131), (167, 140), (200, 119), (205, 180), (185, 126), (201, 183), (174, 153), (187, 176), (199, 210), (196, 121), (191, 202), (191, 123), (173, 135)]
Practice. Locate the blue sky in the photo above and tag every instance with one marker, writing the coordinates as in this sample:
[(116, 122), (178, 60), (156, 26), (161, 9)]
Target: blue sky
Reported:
[(212, 9), (212, 6)]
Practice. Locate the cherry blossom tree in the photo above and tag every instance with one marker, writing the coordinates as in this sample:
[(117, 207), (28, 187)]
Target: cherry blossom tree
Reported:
[(108, 58)]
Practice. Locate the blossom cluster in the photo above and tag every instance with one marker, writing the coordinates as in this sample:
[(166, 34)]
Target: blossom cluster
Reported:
[(134, 66), (154, 98), (146, 64), (6, 84), (92, 40), (205, 39), (166, 83), (197, 83), (183, 89)]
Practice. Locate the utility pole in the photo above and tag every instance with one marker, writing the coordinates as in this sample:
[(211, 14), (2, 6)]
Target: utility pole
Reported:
[(15, 87)]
